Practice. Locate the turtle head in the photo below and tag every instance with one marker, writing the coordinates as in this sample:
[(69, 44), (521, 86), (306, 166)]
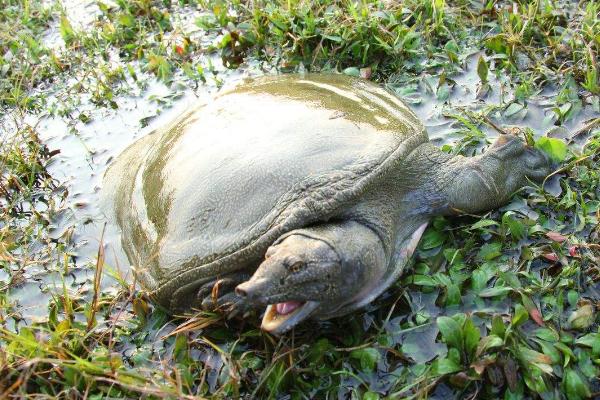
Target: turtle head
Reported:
[(301, 277)]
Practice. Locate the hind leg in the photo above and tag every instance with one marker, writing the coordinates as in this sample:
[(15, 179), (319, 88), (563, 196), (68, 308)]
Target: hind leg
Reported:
[(489, 180)]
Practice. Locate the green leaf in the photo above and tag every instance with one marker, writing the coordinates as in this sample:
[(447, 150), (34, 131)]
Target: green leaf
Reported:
[(566, 350), (479, 280), (336, 39), (495, 291), (66, 30), (572, 296), (319, 350), (452, 50), (483, 223), (498, 327), (447, 366), (489, 251), (482, 69), (370, 396), (575, 386), (540, 360), (443, 279), (513, 109), (443, 92), (473, 129), (549, 350), (586, 365), (472, 336), (181, 347), (547, 334), (528, 134), (564, 109), (424, 280), (590, 340), (461, 318), (521, 315), (367, 358), (488, 342), (453, 256), (159, 66), (432, 239), (582, 318), (517, 229), (451, 332), (72, 376), (555, 148), (452, 295), (126, 20), (497, 44)]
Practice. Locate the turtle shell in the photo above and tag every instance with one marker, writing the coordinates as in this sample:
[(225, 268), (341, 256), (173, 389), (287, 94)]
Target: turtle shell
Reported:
[(210, 193)]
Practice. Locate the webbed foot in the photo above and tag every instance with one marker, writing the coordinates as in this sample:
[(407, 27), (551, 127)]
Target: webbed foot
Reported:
[(519, 158)]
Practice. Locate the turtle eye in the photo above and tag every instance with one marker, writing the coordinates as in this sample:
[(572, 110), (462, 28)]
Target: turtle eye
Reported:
[(295, 267)]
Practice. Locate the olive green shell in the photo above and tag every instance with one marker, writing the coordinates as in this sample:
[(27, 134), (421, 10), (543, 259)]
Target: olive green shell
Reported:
[(209, 193)]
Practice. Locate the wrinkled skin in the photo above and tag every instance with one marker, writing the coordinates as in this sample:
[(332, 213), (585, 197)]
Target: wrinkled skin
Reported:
[(301, 195), (304, 276)]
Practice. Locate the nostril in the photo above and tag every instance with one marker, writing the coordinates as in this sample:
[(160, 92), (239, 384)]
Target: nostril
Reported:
[(251, 289)]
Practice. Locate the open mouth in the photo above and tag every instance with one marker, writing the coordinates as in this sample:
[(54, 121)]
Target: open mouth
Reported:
[(281, 317)]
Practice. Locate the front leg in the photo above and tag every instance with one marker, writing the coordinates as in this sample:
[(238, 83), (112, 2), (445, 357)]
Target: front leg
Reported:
[(219, 295)]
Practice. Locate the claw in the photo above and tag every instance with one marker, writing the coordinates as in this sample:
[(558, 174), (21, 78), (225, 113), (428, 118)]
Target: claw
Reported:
[(214, 294), (218, 293), (232, 312), (507, 146)]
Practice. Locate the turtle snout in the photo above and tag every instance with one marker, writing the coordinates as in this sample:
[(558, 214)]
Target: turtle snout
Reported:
[(253, 290)]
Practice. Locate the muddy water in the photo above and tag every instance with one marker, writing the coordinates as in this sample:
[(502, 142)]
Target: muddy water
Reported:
[(430, 103), (86, 150)]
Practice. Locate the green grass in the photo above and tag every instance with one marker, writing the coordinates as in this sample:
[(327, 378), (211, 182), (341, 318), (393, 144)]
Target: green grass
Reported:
[(503, 305)]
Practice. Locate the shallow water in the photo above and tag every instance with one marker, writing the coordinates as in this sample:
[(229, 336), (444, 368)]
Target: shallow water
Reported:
[(86, 150), (537, 113)]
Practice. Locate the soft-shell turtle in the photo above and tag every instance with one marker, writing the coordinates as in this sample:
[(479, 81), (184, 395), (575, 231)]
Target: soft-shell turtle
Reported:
[(305, 194)]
